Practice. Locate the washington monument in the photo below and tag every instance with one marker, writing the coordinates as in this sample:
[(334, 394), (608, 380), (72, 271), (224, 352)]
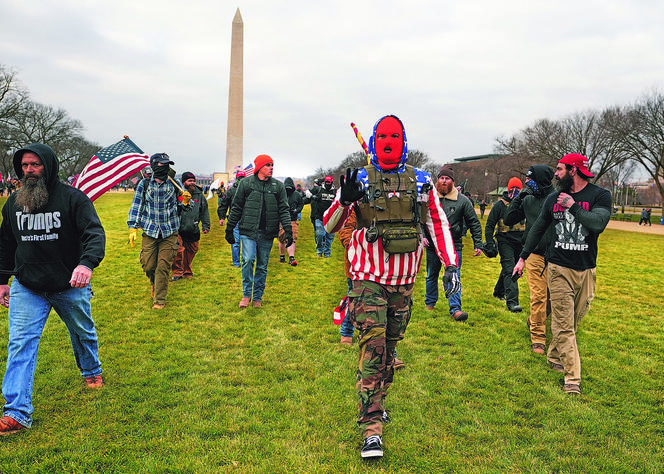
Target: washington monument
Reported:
[(235, 98)]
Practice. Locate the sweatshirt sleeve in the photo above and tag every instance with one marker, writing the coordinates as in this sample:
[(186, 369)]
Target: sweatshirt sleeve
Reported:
[(597, 218), (91, 233), (7, 248)]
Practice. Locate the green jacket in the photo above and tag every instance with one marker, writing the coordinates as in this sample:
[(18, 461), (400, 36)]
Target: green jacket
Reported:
[(260, 205), (196, 213)]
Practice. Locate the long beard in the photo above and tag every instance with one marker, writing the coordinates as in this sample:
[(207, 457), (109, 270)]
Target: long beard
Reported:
[(564, 185), (32, 195)]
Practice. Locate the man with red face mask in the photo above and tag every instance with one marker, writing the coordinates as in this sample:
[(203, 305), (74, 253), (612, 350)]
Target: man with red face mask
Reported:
[(392, 201)]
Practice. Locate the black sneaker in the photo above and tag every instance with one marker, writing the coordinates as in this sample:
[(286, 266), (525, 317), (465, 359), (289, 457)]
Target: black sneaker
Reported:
[(282, 259), (515, 309), (372, 447)]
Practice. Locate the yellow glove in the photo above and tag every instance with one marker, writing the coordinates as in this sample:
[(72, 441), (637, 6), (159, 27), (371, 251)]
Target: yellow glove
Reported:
[(186, 198), (132, 236)]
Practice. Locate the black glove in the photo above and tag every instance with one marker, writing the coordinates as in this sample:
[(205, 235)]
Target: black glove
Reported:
[(451, 281), (351, 189), (230, 238), (289, 241), (490, 249)]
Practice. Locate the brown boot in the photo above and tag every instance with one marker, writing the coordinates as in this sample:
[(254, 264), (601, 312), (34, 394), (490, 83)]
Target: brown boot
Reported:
[(347, 341), (244, 302)]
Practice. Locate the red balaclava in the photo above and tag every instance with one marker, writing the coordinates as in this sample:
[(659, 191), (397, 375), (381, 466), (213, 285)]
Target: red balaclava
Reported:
[(388, 142)]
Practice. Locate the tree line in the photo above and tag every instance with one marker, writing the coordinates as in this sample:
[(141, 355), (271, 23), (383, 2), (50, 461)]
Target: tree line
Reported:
[(24, 121), (616, 140)]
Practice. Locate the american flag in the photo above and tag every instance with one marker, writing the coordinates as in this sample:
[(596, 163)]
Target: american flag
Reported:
[(249, 170), (110, 166)]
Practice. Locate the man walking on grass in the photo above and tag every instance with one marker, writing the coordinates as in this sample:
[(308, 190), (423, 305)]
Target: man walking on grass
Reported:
[(392, 201), (50, 241), (579, 211), (259, 206)]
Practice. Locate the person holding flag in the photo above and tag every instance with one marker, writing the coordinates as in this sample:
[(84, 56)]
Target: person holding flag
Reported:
[(156, 209)]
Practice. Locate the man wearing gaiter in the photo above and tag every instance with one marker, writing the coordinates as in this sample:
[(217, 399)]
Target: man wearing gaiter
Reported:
[(156, 209)]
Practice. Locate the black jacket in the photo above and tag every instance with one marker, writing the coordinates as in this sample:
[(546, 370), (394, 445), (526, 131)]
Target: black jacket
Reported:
[(42, 249), (528, 205), (196, 213), (295, 202)]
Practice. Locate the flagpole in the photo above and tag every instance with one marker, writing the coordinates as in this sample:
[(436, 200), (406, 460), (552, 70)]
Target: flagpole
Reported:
[(176, 185)]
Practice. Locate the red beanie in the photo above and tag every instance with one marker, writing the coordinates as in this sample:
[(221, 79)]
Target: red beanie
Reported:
[(514, 183), (260, 161)]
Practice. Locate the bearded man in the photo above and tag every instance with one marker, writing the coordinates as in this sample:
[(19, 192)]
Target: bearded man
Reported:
[(579, 212), (189, 233), (392, 201), (51, 240)]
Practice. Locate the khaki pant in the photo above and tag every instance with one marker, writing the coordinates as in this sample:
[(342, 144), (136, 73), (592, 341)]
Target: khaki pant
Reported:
[(540, 306), (156, 258), (571, 291)]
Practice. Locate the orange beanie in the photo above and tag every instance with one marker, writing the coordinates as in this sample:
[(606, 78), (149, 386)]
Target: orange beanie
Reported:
[(260, 161), (514, 182)]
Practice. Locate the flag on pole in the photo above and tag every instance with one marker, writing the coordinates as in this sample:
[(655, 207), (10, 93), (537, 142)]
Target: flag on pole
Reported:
[(214, 186), (249, 170), (109, 166)]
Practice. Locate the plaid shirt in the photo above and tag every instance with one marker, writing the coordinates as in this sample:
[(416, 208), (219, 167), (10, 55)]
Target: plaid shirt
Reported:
[(155, 208)]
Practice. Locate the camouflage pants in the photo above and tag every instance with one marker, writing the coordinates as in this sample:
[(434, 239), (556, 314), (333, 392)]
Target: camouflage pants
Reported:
[(381, 313)]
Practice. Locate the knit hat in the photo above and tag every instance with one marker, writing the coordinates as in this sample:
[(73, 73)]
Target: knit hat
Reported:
[(187, 175), (446, 170), (514, 182), (580, 162), (260, 161)]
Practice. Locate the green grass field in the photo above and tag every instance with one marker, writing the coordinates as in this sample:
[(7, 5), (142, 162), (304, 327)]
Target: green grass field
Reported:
[(202, 386)]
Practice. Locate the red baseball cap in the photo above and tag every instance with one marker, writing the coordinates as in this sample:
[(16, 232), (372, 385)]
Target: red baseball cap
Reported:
[(328, 179), (580, 162)]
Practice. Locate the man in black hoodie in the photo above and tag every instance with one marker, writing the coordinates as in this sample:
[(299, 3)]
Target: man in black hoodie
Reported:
[(51, 240), (528, 205), (295, 205)]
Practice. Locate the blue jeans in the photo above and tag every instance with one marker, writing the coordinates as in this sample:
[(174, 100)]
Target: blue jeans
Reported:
[(323, 239), (255, 257), (347, 329), (28, 312), (235, 248), (433, 272)]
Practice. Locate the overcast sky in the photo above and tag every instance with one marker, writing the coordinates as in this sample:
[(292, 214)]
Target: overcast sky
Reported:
[(458, 73)]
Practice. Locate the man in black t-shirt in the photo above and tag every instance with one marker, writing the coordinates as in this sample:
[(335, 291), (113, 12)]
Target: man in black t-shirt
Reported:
[(580, 212)]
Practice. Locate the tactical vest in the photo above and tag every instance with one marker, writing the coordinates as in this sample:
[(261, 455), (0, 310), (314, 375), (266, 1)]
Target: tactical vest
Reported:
[(392, 211)]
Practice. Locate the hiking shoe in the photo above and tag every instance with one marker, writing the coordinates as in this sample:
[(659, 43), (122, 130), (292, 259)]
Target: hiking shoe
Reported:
[(372, 447), (158, 306), (9, 425), (292, 262), (572, 388), (386, 418), (460, 316), (557, 367), (282, 259), (244, 302), (176, 278), (94, 382), (429, 307), (515, 309), (258, 304), (347, 341), (398, 364), (538, 349)]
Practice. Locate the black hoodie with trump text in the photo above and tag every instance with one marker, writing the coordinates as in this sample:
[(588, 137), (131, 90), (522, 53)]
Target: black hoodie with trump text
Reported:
[(42, 248)]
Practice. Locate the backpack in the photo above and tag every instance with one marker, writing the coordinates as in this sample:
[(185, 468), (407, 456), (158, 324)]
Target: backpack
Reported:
[(391, 210)]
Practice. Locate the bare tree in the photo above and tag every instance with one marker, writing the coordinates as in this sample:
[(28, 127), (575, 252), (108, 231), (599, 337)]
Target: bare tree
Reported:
[(639, 132), (12, 98)]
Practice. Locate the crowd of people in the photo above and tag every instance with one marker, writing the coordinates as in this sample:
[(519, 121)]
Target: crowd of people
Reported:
[(388, 215)]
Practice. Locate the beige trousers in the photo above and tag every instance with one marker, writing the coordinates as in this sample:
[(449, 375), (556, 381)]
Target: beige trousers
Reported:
[(540, 306), (571, 292)]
